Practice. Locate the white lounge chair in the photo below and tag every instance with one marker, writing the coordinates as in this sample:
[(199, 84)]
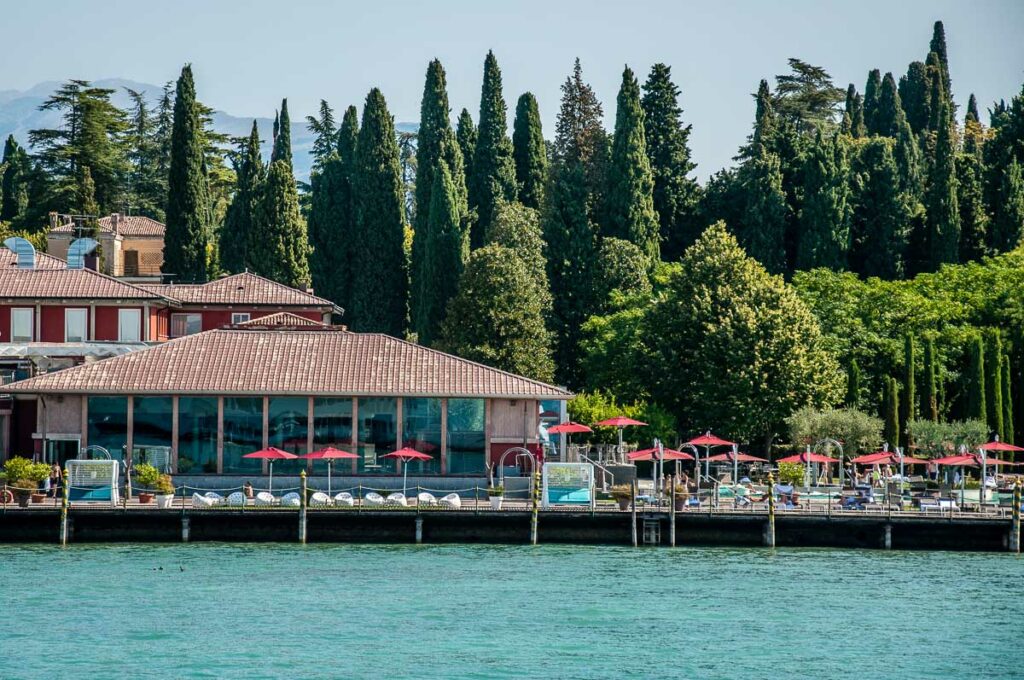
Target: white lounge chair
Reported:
[(451, 501), (397, 499), (319, 500), (291, 500), (264, 498), (236, 500), (201, 501), (344, 498), (947, 504), (214, 498), (373, 498), (425, 498)]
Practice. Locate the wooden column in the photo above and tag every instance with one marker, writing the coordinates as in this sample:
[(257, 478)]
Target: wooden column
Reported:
[(174, 433), (220, 435), (444, 436), (399, 404), (266, 429), (355, 434), (309, 431), (130, 436)]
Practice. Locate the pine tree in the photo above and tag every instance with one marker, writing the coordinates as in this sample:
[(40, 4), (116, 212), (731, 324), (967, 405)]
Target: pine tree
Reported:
[(188, 204), (1008, 214), (14, 171), (993, 382), (444, 254), (282, 150), (765, 122), (975, 380), (930, 398), (908, 410), (239, 235), (937, 95), (872, 94), (938, 46), (892, 412), (1008, 433), (380, 281), (494, 174), (465, 135), (943, 209), (284, 255), (146, 187), (629, 210), (915, 96), (878, 226), (86, 203), (825, 216), (764, 219), (529, 152), (325, 134), (853, 379)]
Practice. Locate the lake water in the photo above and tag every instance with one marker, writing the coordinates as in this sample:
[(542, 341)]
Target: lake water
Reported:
[(254, 611)]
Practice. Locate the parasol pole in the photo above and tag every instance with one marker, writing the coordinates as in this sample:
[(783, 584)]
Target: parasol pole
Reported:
[(735, 464), (271, 482), (328, 476), (807, 469), (981, 493)]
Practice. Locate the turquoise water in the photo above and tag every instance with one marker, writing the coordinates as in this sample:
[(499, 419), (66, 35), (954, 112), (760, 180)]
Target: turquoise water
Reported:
[(258, 611)]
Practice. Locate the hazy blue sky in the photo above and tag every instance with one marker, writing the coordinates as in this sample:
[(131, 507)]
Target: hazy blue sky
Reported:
[(247, 55)]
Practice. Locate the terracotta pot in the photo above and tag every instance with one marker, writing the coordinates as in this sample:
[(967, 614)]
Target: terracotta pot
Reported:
[(145, 498), (623, 503), (680, 503), (38, 497), (23, 498)]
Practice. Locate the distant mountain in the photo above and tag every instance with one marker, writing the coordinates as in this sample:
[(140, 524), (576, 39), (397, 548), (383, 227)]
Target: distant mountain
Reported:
[(19, 113)]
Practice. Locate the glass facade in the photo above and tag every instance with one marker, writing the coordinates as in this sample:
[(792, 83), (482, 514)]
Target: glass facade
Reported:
[(467, 438), (287, 425), (197, 434), (332, 426), (152, 424), (108, 424), (378, 434), (243, 433), (421, 430)]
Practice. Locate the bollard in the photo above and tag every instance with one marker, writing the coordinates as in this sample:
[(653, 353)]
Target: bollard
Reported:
[(185, 528), (64, 509), (1015, 522), (633, 512), (887, 537), (419, 530), (535, 514), (672, 512), (302, 507), (769, 528)]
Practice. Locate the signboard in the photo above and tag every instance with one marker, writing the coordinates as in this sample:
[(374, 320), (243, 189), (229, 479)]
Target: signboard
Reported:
[(567, 484)]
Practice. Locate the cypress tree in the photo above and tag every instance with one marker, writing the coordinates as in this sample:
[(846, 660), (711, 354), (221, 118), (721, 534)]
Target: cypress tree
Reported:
[(937, 95), (857, 127), (974, 219), (892, 412), (465, 135), (853, 379), (850, 107), (765, 121), (943, 209), (908, 410), (380, 281), (975, 380), (629, 202), (85, 192), (938, 46), (494, 174), (284, 253), (915, 96), (444, 254), (1008, 214), (994, 381), (872, 94), (14, 183), (930, 398), (880, 215), (972, 109), (764, 219), (282, 150), (238, 234), (529, 152), (1008, 433), (186, 236), (825, 216)]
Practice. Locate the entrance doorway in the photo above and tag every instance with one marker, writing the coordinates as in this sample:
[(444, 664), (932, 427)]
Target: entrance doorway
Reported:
[(61, 450)]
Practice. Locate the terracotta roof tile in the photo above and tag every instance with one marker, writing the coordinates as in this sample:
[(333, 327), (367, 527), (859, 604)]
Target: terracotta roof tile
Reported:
[(297, 362), (51, 280), (239, 289), (127, 225)]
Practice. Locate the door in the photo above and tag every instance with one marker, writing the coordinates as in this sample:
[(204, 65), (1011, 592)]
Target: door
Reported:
[(128, 325), (61, 451)]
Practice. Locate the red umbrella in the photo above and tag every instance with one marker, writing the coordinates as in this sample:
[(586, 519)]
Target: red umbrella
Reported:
[(568, 428), (651, 454), (271, 454), (738, 457), (888, 458), (329, 454), (807, 457), (957, 460), (620, 422), (1000, 446), (707, 440), (406, 455), (871, 458)]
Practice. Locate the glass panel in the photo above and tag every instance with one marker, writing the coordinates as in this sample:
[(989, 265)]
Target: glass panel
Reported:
[(421, 430), (74, 325), (128, 321), (332, 426), (151, 434), (108, 424), (378, 434), (239, 317), (243, 433), (466, 436), (22, 325), (197, 435), (185, 324), (286, 428)]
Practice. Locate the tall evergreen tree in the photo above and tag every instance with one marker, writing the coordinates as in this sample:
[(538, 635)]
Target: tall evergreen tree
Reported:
[(147, 188), (529, 152), (676, 194), (970, 188), (325, 134), (974, 380), (380, 282), (937, 95), (938, 46), (284, 252), (1008, 214), (86, 203), (825, 216), (239, 234), (629, 208), (943, 209), (930, 397), (855, 110), (892, 411), (872, 94), (994, 382), (187, 234), (766, 124), (915, 96), (853, 385), (282, 149), (444, 254), (878, 225), (1008, 432), (465, 135), (14, 174), (494, 173), (764, 219), (908, 410), (972, 109)]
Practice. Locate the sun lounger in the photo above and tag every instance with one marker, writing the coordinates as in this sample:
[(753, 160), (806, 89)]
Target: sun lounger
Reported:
[(396, 499), (319, 500), (451, 501), (373, 498), (291, 500), (236, 500), (947, 504), (425, 498), (344, 498), (201, 501), (214, 497), (264, 498)]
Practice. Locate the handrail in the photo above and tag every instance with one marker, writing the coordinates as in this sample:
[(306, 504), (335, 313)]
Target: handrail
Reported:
[(603, 469)]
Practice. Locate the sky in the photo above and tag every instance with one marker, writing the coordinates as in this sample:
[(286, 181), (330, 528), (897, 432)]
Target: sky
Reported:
[(247, 55)]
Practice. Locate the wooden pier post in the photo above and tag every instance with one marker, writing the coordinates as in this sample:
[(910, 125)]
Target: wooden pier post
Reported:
[(419, 529), (672, 512), (769, 527), (632, 505), (887, 536), (535, 514), (1014, 542), (185, 528), (64, 509), (302, 507)]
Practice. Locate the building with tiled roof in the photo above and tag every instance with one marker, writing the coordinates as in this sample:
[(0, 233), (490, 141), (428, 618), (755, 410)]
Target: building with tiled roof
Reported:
[(207, 399), (132, 245)]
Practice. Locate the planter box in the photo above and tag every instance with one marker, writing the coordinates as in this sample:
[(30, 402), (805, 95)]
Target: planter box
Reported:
[(145, 498), (163, 501), (496, 502)]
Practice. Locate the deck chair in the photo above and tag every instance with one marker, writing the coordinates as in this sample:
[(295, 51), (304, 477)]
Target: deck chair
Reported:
[(425, 498), (344, 498), (291, 500), (396, 499), (319, 500), (201, 501), (451, 501), (264, 498), (236, 500), (373, 499)]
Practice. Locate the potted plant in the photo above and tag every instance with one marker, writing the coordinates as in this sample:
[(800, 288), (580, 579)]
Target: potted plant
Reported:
[(164, 488), (146, 477), (497, 495), (623, 493), (25, 476), (682, 496)]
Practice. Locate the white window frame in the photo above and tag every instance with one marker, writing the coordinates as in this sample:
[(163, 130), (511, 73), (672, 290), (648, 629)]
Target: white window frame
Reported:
[(136, 328), (186, 315), (240, 317), (31, 323), (81, 312)]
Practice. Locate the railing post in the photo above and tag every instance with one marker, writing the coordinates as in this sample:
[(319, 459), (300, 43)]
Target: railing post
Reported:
[(302, 507), (535, 512), (1015, 522), (632, 514), (64, 509), (769, 529)]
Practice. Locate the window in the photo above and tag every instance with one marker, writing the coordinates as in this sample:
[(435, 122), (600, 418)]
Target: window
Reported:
[(75, 322), (332, 426), (197, 434), (421, 430), (22, 324), (243, 433), (108, 424), (287, 426), (152, 419), (128, 325), (239, 317), (466, 436), (378, 434), (185, 324)]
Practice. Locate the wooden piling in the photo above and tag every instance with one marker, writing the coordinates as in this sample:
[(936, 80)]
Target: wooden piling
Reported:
[(633, 513), (419, 530), (535, 514), (64, 509), (302, 507), (887, 537), (185, 528), (1014, 542), (672, 512), (769, 527)]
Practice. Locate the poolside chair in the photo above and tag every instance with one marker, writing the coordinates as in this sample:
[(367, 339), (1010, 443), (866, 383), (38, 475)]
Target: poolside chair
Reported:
[(451, 501), (214, 497), (236, 500), (946, 504), (264, 498), (319, 500), (373, 498), (291, 500), (201, 501), (397, 499), (344, 498), (425, 498)]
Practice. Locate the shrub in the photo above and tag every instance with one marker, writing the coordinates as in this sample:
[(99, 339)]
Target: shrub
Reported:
[(146, 475), (622, 491), (19, 470), (164, 485), (791, 473)]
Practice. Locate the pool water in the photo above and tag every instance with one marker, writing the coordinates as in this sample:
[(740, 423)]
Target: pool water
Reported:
[(475, 611)]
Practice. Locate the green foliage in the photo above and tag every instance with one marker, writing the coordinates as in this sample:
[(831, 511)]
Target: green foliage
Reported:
[(856, 430), (879, 224), (494, 174), (621, 266), (853, 385), (943, 210), (792, 474), (517, 228), (975, 379), (974, 218), (592, 407), (529, 152), (806, 98), (147, 177), (239, 234), (930, 397), (872, 96), (908, 407), (891, 409), (465, 135), (915, 96), (1008, 215), (1007, 395), (444, 254), (936, 439), (325, 135), (145, 475), (282, 149), (825, 216), (496, 491), (764, 219), (993, 381), (14, 172), (19, 469), (281, 251)]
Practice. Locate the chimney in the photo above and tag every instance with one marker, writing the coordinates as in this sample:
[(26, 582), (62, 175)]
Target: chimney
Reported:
[(115, 222)]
